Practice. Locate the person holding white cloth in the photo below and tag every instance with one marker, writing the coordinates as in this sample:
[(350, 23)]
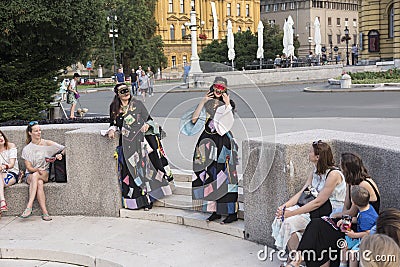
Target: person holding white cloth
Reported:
[(215, 181)]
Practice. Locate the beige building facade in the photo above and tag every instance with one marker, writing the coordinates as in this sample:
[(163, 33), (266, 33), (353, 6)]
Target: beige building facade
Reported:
[(380, 30), (173, 18), (333, 15)]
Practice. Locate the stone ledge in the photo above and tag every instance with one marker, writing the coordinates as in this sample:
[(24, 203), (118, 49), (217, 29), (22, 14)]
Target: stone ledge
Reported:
[(380, 154), (187, 218), (55, 256)]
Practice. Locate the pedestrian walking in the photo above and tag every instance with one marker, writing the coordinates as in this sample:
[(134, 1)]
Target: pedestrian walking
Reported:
[(72, 94), (150, 74)]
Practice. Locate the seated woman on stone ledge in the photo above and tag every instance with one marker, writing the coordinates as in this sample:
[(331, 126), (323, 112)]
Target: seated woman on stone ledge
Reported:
[(37, 155), (291, 219), (8, 167), (320, 236)]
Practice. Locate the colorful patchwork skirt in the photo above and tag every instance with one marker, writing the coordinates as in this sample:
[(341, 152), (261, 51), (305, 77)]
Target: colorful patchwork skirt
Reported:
[(215, 179)]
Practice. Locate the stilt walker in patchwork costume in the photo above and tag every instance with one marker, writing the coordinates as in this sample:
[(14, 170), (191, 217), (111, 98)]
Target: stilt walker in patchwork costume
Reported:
[(215, 180), (142, 163)]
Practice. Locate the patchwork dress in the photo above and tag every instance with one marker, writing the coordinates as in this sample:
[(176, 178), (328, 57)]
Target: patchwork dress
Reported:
[(215, 179), (142, 163)]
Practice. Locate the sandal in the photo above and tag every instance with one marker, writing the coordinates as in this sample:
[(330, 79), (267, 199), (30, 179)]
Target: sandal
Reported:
[(3, 206), (46, 217), (26, 214)]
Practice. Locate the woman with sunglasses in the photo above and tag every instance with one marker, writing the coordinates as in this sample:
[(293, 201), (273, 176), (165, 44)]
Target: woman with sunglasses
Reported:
[(8, 168), (215, 157), (320, 236), (37, 155), (143, 166), (291, 218)]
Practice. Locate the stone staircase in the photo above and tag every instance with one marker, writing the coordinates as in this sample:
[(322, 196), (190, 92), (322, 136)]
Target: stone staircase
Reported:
[(179, 208)]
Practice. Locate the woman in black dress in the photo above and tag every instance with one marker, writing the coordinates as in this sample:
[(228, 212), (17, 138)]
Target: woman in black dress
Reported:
[(215, 185), (143, 167)]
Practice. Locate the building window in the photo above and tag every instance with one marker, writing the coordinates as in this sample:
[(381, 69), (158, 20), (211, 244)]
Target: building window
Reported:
[(271, 22), (170, 6), (338, 21), (354, 22), (330, 39), (346, 22), (267, 8), (192, 4), (338, 37), (391, 21), (182, 6), (355, 38), (238, 10), (283, 6), (173, 62), (172, 32), (228, 9), (373, 41), (184, 59), (247, 10), (329, 21), (292, 5), (275, 7), (239, 29), (183, 28)]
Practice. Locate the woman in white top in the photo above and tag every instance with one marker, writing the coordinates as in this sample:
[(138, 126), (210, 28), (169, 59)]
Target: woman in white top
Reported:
[(331, 187), (37, 155), (8, 167)]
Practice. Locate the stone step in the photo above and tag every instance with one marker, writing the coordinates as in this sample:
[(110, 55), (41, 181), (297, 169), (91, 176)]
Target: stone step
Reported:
[(175, 201), (185, 217), (183, 188)]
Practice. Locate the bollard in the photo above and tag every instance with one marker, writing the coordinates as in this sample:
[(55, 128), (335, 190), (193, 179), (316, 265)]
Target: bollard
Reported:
[(345, 81)]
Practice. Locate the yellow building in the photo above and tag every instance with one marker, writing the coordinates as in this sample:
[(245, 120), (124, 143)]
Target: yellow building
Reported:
[(380, 29), (173, 17)]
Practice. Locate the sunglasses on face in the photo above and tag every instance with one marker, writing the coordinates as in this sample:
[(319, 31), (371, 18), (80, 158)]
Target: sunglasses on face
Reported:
[(316, 143), (123, 91), (220, 92), (33, 123)]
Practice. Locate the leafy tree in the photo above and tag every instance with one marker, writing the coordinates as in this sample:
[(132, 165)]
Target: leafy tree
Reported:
[(245, 50), (273, 37), (38, 38), (136, 43)]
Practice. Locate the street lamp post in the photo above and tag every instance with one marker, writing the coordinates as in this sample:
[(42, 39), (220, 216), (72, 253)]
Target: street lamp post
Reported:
[(346, 33), (308, 26), (113, 34)]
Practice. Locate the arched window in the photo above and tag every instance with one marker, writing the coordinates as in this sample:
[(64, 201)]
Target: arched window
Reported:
[(183, 28), (239, 29), (373, 41), (172, 32), (391, 21)]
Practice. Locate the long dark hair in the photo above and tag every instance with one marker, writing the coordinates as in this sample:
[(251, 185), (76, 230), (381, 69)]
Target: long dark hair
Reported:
[(388, 223), (325, 160), (5, 140), (116, 103), (353, 168)]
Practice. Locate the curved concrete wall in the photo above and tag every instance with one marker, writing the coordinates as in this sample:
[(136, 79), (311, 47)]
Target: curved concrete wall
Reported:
[(92, 188)]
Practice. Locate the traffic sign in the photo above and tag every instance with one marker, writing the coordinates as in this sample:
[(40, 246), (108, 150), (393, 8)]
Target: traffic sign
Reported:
[(89, 65)]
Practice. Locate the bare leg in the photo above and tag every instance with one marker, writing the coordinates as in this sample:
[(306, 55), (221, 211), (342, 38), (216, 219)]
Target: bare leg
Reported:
[(72, 111), (2, 176), (293, 242), (144, 95), (41, 196), (33, 183)]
